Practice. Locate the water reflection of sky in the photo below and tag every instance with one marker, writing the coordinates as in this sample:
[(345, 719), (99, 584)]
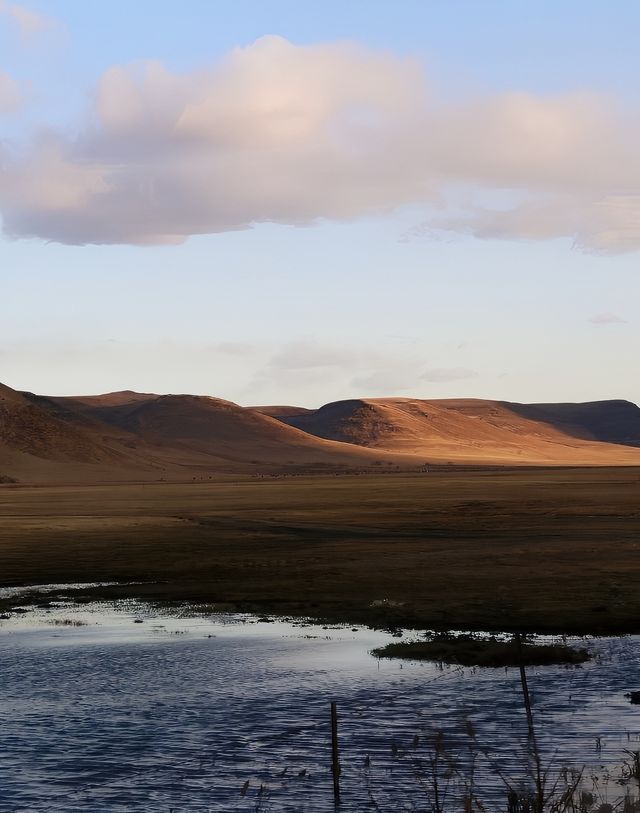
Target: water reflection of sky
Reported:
[(126, 709)]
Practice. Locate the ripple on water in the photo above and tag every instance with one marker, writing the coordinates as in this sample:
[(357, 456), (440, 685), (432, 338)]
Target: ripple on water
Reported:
[(116, 716)]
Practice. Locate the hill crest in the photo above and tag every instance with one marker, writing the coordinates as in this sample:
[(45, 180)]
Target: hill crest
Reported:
[(131, 435)]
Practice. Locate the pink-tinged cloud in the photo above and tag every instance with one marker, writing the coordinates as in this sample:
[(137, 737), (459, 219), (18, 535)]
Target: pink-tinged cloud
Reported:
[(290, 134), (29, 22)]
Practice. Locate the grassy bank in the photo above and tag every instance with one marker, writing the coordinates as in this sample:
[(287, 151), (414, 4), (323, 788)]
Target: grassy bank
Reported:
[(540, 550)]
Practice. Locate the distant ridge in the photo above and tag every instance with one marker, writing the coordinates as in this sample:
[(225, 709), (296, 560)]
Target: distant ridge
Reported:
[(221, 428), (473, 429), (145, 436), (612, 421), (33, 425), (281, 411)]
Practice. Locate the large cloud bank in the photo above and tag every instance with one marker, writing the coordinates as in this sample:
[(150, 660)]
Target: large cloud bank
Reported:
[(291, 134)]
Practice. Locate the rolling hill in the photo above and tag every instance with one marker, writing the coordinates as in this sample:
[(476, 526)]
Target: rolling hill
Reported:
[(33, 425), (221, 429), (473, 430), (143, 436)]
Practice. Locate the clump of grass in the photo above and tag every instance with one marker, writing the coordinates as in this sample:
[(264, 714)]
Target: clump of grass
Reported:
[(471, 650)]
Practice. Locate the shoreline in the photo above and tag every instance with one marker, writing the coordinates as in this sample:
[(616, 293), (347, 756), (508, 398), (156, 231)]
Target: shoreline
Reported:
[(547, 551), (381, 619)]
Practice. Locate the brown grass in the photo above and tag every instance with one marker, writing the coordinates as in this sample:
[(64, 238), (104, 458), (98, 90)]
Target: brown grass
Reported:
[(543, 549)]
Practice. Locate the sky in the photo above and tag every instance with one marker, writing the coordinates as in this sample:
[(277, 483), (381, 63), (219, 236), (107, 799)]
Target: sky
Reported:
[(277, 202)]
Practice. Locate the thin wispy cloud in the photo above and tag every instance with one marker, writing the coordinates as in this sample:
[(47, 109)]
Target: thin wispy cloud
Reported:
[(307, 355), (234, 348), (11, 98), (607, 318), (281, 133), (403, 376), (384, 381), (28, 21), (359, 369)]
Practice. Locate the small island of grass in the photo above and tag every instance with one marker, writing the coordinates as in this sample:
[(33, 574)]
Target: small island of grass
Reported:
[(470, 650)]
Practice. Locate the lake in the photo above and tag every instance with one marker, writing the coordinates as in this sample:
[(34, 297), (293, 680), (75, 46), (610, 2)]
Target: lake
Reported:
[(121, 707)]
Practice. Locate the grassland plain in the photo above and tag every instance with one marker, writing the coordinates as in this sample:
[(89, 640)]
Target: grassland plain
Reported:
[(530, 549)]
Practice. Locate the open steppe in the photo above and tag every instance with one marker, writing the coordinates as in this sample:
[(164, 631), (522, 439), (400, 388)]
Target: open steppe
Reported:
[(396, 511), (531, 549)]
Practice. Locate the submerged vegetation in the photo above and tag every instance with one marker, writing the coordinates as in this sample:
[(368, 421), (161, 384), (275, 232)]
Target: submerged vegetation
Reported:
[(473, 650)]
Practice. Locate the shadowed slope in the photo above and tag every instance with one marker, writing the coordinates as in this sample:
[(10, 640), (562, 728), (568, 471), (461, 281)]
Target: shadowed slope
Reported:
[(607, 421), (33, 425), (221, 428), (41, 440), (144, 436), (468, 430)]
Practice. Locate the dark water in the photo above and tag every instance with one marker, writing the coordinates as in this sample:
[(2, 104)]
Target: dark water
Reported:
[(158, 716)]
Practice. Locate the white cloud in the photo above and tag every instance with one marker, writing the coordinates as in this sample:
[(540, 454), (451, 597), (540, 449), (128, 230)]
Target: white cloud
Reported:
[(292, 134), (10, 94), (274, 133), (29, 22), (607, 318)]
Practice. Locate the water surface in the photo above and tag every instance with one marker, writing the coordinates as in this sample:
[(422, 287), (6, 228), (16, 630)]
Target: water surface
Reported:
[(122, 708)]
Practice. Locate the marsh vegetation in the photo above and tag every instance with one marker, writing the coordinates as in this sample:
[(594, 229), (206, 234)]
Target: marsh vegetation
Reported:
[(487, 651)]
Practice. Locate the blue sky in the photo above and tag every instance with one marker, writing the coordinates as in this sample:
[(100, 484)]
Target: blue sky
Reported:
[(480, 239)]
